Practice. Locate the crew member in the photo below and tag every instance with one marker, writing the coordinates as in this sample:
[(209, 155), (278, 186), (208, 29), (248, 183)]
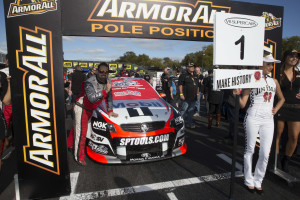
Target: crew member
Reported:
[(189, 90)]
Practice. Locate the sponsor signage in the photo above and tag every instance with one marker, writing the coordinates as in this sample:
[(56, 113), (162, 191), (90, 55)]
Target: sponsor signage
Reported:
[(101, 149), (144, 140), (21, 8), (189, 20), (35, 56), (233, 79), (147, 156), (125, 89), (271, 21), (239, 39), (99, 125), (175, 20)]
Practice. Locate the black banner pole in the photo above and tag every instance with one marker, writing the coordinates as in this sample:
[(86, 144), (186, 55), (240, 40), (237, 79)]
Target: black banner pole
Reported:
[(236, 120)]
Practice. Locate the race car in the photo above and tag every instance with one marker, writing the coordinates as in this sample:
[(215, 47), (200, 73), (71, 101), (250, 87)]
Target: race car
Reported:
[(147, 127)]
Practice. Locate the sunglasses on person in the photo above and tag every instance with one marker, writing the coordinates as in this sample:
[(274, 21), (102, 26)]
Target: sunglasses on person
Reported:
[(103, 71)]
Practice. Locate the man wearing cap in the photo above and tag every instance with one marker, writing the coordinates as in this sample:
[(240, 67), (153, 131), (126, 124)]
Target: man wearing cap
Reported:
[(166, 72), (189, 90), (123, 72)]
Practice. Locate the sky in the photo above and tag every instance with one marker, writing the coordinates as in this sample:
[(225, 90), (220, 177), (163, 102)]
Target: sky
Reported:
[(107, 49)]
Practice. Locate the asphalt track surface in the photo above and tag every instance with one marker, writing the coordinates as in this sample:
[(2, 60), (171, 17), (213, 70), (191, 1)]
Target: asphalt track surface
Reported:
[(202, 173)]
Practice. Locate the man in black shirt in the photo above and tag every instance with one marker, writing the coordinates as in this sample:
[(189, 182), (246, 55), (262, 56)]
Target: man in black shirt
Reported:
[(214, 99), (77, 78), (137, 74), (147, 77), (200, 78), (124, 72), (166, 86), (189, 90)]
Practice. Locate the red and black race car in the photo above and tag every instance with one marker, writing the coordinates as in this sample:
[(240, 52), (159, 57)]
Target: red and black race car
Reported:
[(147, 128)]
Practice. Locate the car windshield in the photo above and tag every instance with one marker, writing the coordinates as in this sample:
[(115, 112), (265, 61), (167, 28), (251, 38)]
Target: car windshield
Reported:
[(132, 88)]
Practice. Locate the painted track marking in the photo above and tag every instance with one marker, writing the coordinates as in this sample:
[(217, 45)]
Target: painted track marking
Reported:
[(73, 179), (172, 196), (149, 187), (229, 160)]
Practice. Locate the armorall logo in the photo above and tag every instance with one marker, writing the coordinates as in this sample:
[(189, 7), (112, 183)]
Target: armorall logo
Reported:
[(26, 7), (35, 59), (168, 12)]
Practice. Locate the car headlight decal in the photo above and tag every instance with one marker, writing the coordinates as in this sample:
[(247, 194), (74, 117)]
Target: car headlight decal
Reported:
[(111, 128)]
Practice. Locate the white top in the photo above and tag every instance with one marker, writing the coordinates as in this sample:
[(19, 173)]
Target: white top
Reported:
[(261, 99)]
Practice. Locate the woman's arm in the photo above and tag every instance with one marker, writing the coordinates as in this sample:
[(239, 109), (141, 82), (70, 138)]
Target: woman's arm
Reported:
[(280, 98), (244, 97), (7, 98)]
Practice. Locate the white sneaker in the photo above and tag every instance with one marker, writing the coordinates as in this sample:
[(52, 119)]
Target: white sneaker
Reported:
[(196, 115)]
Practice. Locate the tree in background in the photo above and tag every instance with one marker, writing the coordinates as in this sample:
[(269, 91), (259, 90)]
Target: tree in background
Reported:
[(129, 56), (290, 43), (157, 62)]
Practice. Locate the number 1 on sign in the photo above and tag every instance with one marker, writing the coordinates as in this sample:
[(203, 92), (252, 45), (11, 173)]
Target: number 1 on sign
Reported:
[(242, 41)]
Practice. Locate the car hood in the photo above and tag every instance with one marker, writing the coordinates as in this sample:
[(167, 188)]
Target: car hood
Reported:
[(138, 111)]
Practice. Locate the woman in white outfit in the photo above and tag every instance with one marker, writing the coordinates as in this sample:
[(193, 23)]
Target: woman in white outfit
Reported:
[(259, 119)]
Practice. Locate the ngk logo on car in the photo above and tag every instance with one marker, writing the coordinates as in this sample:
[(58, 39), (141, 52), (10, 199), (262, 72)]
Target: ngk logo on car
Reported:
[(100, 125)]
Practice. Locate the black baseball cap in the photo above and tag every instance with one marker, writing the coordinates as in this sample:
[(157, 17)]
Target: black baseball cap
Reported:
[(191, 65), (290, 52)]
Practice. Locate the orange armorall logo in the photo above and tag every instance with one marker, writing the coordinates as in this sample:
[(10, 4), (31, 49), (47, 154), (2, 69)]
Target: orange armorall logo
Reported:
[(35, 59)]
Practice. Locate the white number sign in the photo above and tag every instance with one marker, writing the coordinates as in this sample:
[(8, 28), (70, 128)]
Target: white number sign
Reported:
[(238, 39)]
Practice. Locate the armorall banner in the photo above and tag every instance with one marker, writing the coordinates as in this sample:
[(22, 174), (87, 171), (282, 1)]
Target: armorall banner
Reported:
[(35, 56), (175, 20)]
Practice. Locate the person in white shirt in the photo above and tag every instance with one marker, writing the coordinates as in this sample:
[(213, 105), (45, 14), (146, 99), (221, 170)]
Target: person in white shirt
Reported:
[(259, 120)]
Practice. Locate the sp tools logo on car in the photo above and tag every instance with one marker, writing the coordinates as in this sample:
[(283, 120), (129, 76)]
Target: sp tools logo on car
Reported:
[(25, 7), (144, 140), (271, 21), (35, 59)]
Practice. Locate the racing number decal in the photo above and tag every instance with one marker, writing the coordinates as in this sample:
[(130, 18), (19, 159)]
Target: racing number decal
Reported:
[(242, 41), (141, 111)]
